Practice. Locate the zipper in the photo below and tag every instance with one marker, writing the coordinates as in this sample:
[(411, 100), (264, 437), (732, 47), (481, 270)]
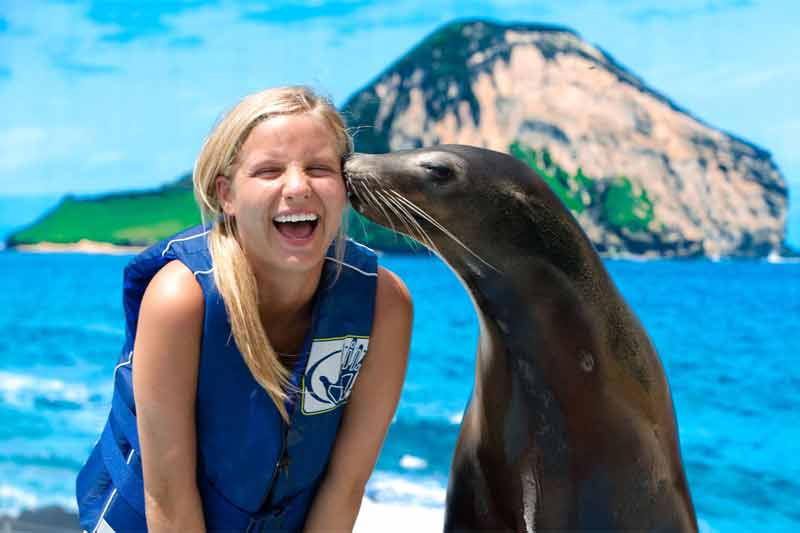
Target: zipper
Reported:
[(274, 477), (306, 353), (282, 461)]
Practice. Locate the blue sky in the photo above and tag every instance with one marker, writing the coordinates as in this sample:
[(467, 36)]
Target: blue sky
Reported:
[(100, 96)]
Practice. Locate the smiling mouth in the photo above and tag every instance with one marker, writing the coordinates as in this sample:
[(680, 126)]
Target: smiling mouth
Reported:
[(296, 226)]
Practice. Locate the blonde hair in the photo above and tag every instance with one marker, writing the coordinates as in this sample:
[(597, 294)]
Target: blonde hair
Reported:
[(233, 275)]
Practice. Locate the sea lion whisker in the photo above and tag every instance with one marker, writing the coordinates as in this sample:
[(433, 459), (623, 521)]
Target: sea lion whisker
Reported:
[(426, 238), (374, 198), (400, 216), (380, 206), (369, 198), (412, 225), (373, 177), (360, 196), (424, 235), (408, 219), (360, 191), (415, 208)]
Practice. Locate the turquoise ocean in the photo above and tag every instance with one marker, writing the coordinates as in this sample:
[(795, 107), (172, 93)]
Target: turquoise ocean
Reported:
[(728, 333)]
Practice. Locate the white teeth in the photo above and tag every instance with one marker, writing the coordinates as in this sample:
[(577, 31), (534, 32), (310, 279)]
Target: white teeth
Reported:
[(297, 217)]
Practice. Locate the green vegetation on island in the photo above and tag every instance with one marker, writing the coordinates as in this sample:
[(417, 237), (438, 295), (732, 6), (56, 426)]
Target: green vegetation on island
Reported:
[(134, 218), (621, 204), (575, 191), (626, 207)]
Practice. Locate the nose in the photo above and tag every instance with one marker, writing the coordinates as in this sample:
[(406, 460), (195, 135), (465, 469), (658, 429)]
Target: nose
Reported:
[(297, 186)]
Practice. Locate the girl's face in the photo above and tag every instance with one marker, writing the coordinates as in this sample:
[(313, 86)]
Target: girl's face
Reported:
[(287, 192)]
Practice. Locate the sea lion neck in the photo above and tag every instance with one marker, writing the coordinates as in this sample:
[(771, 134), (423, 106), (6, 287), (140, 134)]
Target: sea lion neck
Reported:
[(513, 380)]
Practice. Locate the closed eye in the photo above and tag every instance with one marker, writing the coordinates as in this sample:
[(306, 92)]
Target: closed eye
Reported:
[(320, 170), (438, 173), (267, 172)]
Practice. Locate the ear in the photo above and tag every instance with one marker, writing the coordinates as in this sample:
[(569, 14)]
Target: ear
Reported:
[(225, 194)]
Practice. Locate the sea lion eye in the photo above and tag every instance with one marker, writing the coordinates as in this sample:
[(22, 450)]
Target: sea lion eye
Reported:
[(439, 173)]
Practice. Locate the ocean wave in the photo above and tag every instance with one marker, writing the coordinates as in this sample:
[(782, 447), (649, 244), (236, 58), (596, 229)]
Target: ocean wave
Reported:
[(430, 411), (386, 487), (398, 518), (13, 499), (23, 390), (412, 462), (777, 259), (704, 526), (456, 418), (100, 327), (40, 458), (80, 329)]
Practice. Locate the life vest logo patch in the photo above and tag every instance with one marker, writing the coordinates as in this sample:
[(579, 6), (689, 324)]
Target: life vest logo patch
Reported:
[(333, 365)]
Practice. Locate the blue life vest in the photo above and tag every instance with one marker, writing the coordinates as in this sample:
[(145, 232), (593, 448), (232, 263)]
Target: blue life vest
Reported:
[(254, 472)]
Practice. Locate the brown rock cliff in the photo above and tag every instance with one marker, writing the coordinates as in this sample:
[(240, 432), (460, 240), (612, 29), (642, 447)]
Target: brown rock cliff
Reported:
[(642, 175)]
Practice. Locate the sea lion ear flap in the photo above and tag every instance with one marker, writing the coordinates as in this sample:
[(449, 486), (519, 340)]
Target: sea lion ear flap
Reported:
[(529, 202)]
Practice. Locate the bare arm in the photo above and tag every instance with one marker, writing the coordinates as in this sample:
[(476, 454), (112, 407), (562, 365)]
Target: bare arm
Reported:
[(369, 411), (165, 360)]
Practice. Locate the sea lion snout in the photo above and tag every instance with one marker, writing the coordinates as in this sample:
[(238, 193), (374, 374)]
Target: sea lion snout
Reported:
[(407, 171), (375, 169)]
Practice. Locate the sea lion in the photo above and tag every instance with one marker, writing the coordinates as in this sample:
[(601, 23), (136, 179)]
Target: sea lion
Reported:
[(571, 424)]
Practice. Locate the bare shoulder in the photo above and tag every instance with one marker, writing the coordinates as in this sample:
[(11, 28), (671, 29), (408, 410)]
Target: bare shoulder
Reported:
[(168, 331), (391, 326), (392, 299), (173, 296)]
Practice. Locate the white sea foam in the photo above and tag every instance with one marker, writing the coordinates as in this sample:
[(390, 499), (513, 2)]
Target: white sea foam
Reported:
[(411, 462), (395, 517), (456, 419), (385, 487), (395, 503), (14, 499), (776, 258), (704, 526), (22, 390), (100, 327)]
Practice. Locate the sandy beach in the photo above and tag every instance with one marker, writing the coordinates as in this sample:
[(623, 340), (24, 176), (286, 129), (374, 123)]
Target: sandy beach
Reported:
[(84, 246)]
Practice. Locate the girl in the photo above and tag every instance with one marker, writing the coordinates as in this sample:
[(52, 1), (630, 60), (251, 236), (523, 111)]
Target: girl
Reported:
[(265, 352)]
